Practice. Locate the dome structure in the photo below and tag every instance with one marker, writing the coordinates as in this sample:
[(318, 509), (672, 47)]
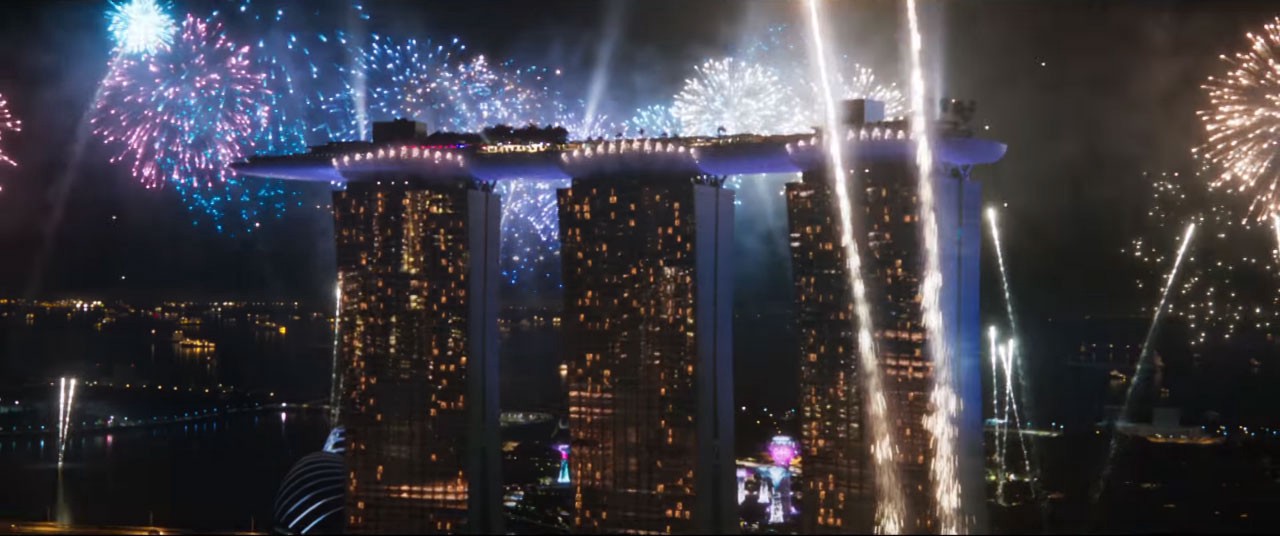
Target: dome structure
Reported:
[(313, 493)]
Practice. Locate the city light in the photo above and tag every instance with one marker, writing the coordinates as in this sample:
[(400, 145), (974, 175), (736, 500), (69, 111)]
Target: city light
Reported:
[(782, 450)]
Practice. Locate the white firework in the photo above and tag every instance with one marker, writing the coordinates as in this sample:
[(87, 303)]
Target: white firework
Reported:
[(1242, 120), (859, 82), (729, 96)]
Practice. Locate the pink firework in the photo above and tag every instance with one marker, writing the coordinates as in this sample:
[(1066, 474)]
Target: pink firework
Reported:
[(185, 112)]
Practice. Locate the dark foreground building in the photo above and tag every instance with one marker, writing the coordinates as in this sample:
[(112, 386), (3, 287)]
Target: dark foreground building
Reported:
[(839, 487), (648, 302)]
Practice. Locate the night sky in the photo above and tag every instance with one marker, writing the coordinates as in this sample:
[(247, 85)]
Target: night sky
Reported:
[(1088, 95)]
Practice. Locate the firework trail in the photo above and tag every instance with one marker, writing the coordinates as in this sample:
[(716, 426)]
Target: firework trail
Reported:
[(997, 414), (336, 374), (66, 401), (946, 406), (1241, 121), (1144, 364), (730, 96), (1275, 225), (890, 504), (1009, 363)]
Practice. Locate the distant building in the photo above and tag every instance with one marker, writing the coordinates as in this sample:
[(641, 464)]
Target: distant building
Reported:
[(417, 349), (647, 318), (838, 485)]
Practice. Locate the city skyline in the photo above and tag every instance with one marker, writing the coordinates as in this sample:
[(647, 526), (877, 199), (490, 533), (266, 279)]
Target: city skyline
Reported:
[(813, 266)]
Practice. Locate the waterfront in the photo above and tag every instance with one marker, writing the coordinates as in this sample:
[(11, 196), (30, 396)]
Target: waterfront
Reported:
[(199, 438), (220, 474)]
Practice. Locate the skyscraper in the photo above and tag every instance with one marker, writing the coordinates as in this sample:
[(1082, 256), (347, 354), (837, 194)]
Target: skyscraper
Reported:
[(839, 490), (417, 343), (648, 301)]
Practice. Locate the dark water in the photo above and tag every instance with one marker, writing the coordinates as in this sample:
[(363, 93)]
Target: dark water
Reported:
[(1154, 488), (251, 353), (213, 473)]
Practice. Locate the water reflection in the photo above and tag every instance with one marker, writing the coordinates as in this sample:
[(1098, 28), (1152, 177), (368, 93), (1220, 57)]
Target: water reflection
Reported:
[(163, 428)]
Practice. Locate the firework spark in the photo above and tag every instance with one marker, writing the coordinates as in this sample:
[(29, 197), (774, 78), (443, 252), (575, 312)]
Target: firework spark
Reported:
[(530, 231), (184, 114), (140, 26), (941, 422), (1006, 407), (1236, 253), (1241, 121), (442, 85), (779, 50), (7, 124), (448, 88), (652, 122), (890, 505), (859, 82), (730, 96)]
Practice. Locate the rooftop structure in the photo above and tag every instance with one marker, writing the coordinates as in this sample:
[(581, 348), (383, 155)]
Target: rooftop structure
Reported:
[(452, 157)]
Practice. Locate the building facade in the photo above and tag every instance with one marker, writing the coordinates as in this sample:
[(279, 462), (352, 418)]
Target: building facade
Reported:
[(839, 490), (417, 348), (648, 331)]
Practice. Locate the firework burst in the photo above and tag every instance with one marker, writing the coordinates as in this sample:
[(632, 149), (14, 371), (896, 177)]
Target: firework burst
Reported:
[(729, 96), (1208, 306), (140, 26), (779, 49), (184, 114), (401, 80), (439, 84), (1242, 120), (448, 88), (859, 82), (652, 121)]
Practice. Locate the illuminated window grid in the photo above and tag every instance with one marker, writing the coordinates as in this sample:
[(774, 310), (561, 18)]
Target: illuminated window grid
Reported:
[(629, 289), (837, 480), (402, 254)]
